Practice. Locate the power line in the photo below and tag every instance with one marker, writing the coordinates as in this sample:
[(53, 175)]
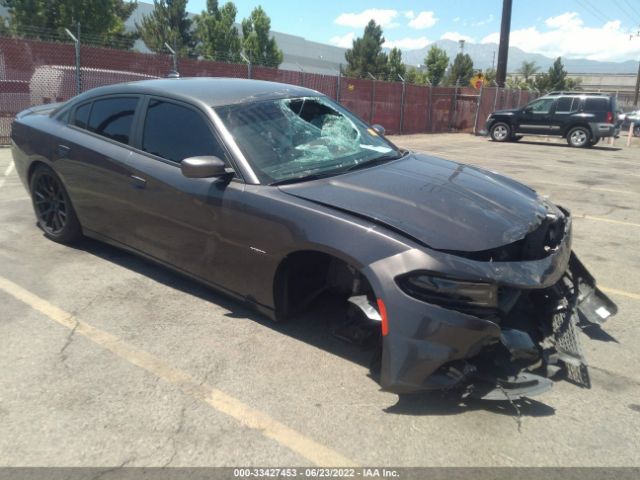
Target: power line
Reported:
[(633, 9), (626, 12), (593, 10)]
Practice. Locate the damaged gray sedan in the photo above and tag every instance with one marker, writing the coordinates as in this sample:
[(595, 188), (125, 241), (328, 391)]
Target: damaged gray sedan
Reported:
[(457, 278)]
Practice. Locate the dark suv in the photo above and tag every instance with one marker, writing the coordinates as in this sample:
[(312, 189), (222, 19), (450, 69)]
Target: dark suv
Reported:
[(580, 117)]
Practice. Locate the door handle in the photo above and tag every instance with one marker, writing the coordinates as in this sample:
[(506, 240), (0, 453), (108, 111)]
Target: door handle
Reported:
[(63, 151), (138, 182)]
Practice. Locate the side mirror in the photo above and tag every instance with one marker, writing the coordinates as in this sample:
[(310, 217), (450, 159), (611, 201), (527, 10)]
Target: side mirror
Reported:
[(202, 167), (527, 110), (379, 129)]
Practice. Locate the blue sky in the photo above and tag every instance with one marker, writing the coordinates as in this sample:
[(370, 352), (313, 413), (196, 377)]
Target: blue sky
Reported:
[(571, 28)]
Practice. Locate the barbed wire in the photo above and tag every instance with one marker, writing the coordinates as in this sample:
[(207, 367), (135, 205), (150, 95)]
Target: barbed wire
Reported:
[(31, 32)]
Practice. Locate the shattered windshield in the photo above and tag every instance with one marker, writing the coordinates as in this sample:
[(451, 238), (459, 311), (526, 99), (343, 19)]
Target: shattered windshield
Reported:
[(294, 138)]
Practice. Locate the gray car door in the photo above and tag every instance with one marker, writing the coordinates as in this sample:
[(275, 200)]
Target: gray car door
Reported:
[(185, 222), (92, 157)]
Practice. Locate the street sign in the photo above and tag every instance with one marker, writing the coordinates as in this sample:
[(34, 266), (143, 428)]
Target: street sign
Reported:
[(477, 81)]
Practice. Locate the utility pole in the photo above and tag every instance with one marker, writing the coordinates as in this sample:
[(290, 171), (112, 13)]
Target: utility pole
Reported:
[(635, 96), (503, 49), (493, 61)]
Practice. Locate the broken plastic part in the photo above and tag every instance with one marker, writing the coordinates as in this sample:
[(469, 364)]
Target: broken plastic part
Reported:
[(519, 344), (510, 388), (363, 303)]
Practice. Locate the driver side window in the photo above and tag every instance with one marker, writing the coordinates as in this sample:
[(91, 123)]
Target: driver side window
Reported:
[(542, 105), (176, 132)]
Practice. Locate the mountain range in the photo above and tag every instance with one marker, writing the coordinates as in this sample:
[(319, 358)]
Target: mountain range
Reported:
[(483, 57)]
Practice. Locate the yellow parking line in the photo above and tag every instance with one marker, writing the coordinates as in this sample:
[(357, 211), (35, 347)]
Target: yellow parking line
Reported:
[(623, 293), (219, 400), (608, 220)]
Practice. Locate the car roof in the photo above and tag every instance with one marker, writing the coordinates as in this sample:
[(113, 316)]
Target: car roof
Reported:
[(577, 94), (210, 91)]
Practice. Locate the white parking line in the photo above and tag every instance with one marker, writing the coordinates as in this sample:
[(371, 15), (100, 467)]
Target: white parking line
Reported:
[(7, 172)]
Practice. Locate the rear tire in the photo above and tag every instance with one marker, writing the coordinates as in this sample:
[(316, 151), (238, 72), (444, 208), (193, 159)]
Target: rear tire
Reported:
[(54, 213), (594, 141), (500, 132), (516, 138), (579, 137)]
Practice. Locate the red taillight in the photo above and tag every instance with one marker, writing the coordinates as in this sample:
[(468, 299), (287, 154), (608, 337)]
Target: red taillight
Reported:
[(609, 117), (383, 314)]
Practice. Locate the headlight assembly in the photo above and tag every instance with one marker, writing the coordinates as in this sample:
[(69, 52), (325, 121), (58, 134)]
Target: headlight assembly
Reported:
[(450, 293)]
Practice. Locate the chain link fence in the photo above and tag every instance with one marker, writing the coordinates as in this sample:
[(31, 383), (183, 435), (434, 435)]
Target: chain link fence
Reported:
[(33, 72)]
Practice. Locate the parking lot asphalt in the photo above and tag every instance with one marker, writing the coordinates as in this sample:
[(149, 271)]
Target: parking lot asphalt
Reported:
[(109, 360)]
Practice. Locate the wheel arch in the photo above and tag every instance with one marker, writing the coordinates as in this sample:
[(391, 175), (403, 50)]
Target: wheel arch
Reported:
[(574, 125), (304, 270)]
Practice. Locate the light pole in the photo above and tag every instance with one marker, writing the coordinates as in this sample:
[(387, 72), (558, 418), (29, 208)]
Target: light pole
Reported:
[(76, 41), (174, 71), (249, 70)]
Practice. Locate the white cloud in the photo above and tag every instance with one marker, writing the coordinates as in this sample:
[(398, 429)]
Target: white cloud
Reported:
[(409, 14), (489, 19), (344, 41), (565, 35), (355, 20), (455, 36), (423, 20), (408, 43), (456, 20), (566, 19)]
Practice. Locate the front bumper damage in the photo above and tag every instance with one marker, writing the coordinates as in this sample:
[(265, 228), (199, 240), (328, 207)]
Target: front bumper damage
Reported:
[(504, 354)]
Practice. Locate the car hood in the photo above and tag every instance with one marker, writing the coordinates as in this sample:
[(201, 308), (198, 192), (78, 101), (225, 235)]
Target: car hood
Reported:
[(508, 111), (442, 204)]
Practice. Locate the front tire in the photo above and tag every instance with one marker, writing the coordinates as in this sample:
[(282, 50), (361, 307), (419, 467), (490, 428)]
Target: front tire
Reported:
[(500, 132), (594, 141), (54, 213), (579, 137)]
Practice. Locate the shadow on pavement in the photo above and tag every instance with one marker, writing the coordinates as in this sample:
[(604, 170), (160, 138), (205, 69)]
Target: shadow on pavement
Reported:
[(314, 328), (564, 145), (449, 403)]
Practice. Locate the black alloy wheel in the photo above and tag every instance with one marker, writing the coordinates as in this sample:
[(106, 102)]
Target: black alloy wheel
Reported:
[(53, 209)]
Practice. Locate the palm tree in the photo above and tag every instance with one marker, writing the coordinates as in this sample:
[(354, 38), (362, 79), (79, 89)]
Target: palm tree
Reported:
[(528, 70)]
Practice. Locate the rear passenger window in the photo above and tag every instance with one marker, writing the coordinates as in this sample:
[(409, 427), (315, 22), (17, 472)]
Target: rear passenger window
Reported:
[(81, 117), (596, 105), (112, 118), (567, 104), (175, 132)]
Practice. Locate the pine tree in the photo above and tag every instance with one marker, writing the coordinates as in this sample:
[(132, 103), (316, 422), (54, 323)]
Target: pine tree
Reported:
[(259, 47), (461, 70), (217, 36), (168, 23), (366, 55), (557, 75), (554, 79)]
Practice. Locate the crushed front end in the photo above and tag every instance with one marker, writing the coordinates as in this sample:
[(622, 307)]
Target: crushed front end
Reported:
[(497, 324)]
